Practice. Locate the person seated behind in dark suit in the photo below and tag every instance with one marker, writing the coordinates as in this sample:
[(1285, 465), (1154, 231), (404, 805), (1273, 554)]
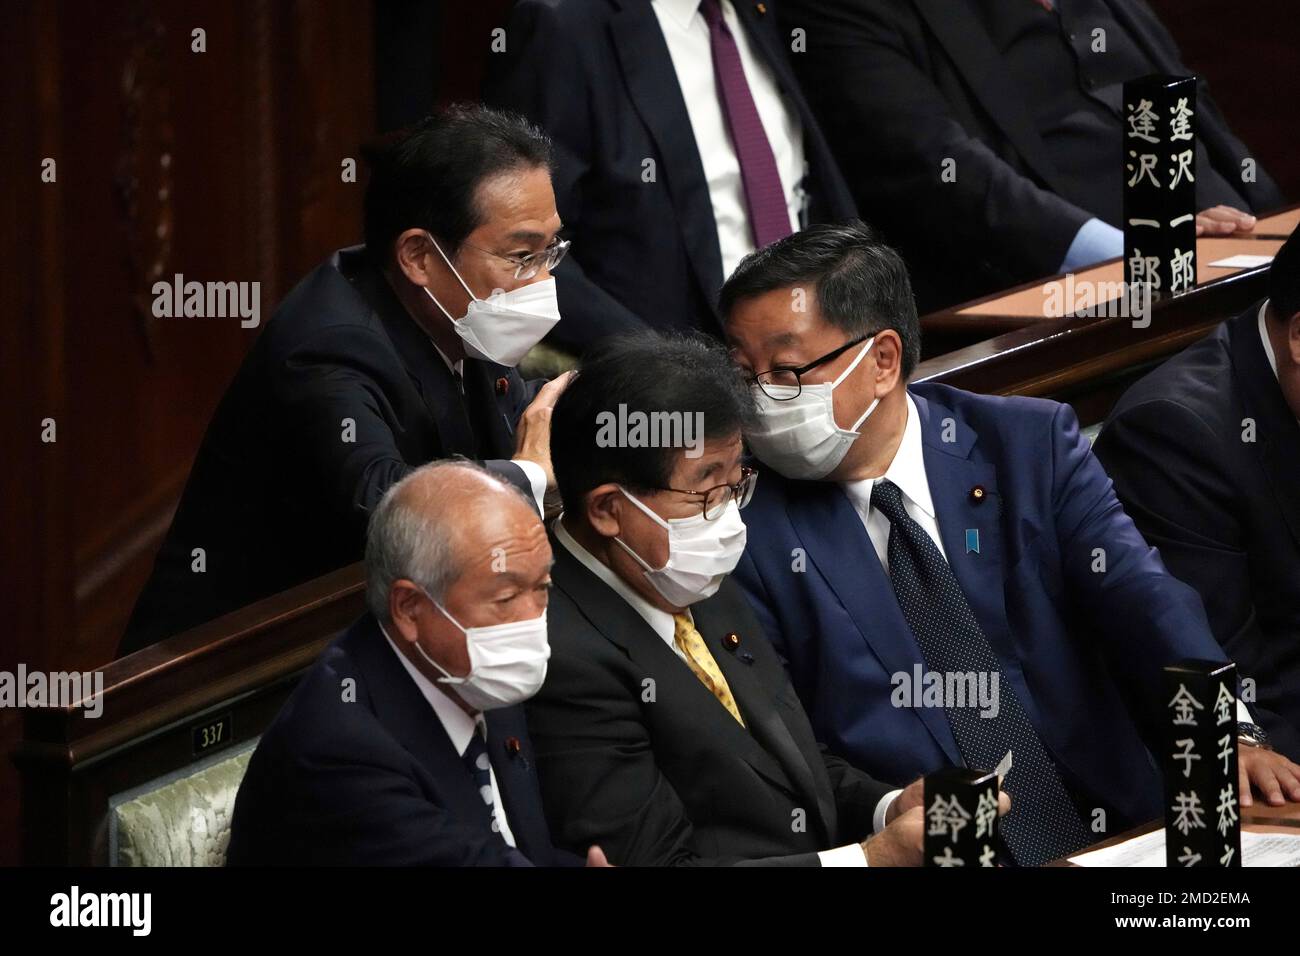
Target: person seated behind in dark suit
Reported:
[(682, 141), (983, 136), (926, 530), (405, 742), (385, 357), (1205, 455), (667, 730)]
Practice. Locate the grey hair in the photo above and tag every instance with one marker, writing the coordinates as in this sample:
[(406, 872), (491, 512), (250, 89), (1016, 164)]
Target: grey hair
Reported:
[(403, 541)]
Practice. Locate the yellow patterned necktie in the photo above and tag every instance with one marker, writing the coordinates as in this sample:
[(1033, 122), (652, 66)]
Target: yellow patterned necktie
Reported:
[(701, 662)]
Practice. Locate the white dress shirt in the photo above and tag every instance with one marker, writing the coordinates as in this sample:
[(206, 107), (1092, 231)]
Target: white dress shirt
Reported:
[(907, 471), (687, 36), (459, 727), (662, 623)]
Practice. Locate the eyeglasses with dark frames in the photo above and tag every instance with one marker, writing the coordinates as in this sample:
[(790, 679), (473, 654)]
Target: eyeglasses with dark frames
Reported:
[(789, 376)]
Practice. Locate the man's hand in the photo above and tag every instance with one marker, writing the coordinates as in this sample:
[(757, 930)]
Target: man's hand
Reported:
[(913, 795), (533, 436), (596, 857), (1223, 221), (1276, 778), (900, 843)]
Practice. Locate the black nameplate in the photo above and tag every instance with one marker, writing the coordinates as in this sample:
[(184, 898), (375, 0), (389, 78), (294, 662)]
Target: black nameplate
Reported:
[(961, 818), (213, 733), (1160, 184), (1202, 806)]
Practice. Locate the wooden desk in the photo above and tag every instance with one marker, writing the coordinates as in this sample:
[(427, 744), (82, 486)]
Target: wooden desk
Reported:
[(961, 325), (1277, 226), (1043, 300), (243, 665), (1260, 818), (1090, 361)]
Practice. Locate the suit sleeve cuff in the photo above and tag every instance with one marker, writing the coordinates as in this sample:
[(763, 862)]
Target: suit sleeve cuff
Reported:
[(1096, 241), (882, 808), (851, 855), (536, 479)]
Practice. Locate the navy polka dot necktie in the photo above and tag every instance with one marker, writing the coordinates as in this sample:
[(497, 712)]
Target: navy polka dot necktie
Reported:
[(480, 768), (1044, 823)]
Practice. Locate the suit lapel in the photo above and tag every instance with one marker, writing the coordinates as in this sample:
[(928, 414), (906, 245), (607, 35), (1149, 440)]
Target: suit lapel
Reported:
[(1277, 432), (512, 765), (652, 84), (496, 433), (976, 559), (758, 706), (966, 41), (424, 366), (404, 712), (622, 626), (835, 540)]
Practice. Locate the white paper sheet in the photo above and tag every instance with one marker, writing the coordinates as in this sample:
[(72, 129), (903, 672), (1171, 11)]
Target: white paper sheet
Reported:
[(1242, 262), (1257, 849)]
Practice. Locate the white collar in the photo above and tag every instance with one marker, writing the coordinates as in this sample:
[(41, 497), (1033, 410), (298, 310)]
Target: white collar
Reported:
[(457, 367), (907, 470), (660, 621), (1263, 337), (458, 724), (682, 11)]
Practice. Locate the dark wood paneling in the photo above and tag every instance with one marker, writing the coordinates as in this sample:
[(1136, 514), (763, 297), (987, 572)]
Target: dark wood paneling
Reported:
[(244, 664), (36, 575), (222, 166)]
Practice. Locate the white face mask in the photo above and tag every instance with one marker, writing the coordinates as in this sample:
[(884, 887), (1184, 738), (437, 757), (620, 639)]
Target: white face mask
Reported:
[(701, 553), (507, 662), (798, 436), (505, 325)]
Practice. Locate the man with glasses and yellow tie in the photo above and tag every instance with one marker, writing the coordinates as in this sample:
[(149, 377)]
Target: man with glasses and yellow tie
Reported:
[(667, 730)]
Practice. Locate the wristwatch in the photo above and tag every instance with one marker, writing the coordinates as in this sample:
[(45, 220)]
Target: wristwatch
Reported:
[(1253, 735)]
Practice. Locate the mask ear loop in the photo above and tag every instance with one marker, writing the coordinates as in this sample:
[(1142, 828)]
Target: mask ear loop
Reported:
[(468, 291), (845, 374), (854, 364), (654, 517), (446, 678)]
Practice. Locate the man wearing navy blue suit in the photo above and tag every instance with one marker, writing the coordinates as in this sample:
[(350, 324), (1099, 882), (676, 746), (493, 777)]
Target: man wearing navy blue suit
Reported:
[(927, 537), (682, 142), (406, 743)]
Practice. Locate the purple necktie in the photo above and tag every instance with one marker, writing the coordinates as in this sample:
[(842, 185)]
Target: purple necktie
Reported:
[(769, 216)]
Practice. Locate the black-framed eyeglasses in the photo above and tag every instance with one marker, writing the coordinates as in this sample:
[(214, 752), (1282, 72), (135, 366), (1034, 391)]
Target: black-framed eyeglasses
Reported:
[(527, 266), (718, 497), (774, 381)]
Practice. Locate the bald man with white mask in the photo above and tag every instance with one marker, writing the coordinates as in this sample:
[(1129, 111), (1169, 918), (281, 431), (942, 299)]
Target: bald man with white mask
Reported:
[(405, 742)]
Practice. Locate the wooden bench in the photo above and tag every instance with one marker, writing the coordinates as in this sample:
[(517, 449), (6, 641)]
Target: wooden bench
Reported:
[(168, 711)]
